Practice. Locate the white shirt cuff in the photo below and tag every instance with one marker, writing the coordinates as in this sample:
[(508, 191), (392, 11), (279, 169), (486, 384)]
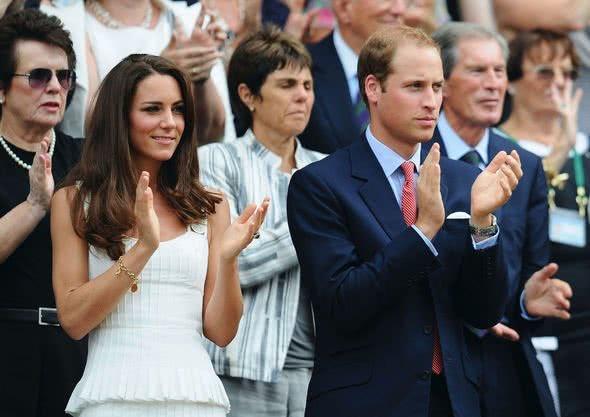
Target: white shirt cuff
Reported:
[(426, 240)]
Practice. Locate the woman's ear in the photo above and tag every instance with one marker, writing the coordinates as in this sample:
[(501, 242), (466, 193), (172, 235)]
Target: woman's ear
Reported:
[(246, 96)]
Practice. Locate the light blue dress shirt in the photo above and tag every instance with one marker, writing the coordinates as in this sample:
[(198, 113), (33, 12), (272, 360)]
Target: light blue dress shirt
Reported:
[(456, 147), (390, 162)]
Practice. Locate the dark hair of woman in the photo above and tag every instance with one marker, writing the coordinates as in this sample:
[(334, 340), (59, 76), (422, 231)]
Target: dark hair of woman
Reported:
[(527, 44), (258, 55), (31, 25), (106, 176)]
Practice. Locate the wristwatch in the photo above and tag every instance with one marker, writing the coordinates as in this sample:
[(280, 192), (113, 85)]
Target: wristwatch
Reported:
[(485, 232)]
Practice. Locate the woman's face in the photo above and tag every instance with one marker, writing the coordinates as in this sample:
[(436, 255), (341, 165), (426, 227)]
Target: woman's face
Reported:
[(543, 78), (285, 102), (156, 118), (38, 107)]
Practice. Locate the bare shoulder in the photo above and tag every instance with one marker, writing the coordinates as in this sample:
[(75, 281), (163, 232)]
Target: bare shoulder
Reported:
[(63, 197)]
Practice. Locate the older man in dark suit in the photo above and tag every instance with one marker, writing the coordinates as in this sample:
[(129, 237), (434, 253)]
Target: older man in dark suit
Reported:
[(512, 380)]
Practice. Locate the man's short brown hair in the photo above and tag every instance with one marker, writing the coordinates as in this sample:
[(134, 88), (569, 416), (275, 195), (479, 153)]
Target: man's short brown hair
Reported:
[(378, 52)]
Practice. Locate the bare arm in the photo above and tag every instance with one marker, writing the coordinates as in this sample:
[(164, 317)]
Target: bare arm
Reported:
[(222, 304), (17, 225), (478, 11), (82, 304), (558, 15)]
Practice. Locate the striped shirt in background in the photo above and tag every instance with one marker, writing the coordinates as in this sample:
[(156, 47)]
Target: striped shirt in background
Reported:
[(246, 172)]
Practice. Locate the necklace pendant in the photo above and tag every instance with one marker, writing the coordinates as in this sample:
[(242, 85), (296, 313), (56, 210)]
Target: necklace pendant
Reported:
[(134, 287)]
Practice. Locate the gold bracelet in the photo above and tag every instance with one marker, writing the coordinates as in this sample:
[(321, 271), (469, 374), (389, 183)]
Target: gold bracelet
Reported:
[(134, 278)]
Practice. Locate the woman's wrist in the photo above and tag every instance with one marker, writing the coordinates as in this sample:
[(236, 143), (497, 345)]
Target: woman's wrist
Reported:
[(38, 210)]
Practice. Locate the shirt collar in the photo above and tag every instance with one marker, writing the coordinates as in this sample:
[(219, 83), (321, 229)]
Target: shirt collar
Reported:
[(456, 147), (348, 58), (390, 160), (270, 158)]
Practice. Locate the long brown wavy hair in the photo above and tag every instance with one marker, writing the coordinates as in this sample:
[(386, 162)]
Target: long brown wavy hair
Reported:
[(106, 178)]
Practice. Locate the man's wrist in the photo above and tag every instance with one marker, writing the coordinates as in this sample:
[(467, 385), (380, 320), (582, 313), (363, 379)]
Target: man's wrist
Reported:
[(481, 220), (483, 227), (427, 230)]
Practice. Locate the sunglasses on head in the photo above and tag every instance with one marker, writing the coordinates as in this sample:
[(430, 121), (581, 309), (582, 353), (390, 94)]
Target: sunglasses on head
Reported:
[(40, 77), (548, 73)]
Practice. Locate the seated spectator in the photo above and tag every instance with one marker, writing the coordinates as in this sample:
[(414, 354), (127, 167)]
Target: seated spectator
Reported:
[(542, 68), (106, 31), (40, 364), (266, 369)]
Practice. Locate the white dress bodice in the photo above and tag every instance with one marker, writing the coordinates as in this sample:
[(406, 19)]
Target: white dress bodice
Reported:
[(150, 347)]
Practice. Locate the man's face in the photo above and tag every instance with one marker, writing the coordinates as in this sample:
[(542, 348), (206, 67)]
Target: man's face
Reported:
[(405, 108), (365, 17), (474, 92)]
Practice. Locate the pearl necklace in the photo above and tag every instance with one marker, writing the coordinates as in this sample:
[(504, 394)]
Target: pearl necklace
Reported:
[(20, 161), (104, 17)]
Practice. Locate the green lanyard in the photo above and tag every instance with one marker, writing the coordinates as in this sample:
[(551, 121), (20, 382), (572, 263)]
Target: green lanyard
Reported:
[(580, 178)]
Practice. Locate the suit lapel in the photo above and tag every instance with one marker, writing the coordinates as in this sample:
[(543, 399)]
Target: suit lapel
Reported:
[(376, 192), (436, 138), (333, 95)]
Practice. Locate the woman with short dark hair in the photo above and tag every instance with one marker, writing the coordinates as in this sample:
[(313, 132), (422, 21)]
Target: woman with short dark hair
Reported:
[(267, 368), (39, 363)]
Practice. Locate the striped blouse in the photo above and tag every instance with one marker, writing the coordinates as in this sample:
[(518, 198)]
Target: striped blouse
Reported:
[(246, 172)]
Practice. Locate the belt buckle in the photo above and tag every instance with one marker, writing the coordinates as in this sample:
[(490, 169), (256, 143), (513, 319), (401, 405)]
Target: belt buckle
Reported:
[(40, 316)]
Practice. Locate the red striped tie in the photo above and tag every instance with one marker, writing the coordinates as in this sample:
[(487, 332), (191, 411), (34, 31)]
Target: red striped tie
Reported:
[(410, 214)]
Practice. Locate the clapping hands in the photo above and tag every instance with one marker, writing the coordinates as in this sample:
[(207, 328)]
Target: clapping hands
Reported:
[(494, 186), (243, 230), (40, 178)]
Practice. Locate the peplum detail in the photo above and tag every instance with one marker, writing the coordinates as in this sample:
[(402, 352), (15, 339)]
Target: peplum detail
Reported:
[(151, 347)]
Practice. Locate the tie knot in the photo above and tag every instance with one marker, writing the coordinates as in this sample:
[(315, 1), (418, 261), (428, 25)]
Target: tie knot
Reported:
[(408, 168), (472, 157)]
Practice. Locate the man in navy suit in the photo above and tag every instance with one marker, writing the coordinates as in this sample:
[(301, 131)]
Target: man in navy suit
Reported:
[(393, 278), (513, 382), (339, 114)]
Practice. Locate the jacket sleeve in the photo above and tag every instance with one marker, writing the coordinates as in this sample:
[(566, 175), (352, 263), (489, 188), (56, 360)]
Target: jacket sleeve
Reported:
[(536, 245), (481, 292)]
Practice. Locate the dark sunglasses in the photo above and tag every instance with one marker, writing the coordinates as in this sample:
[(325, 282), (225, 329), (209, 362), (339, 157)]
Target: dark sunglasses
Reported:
[(40, 77), (547, 73)]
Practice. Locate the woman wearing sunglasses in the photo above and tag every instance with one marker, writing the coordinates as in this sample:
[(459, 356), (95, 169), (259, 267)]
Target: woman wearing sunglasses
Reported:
[(39, 364), (542, 68)]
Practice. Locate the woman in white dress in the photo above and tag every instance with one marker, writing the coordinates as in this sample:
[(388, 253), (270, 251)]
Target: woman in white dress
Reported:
[(144, 256)]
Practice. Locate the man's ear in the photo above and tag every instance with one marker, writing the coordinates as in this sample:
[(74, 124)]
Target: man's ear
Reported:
[(246, 96), (372, 88), (343, 11)]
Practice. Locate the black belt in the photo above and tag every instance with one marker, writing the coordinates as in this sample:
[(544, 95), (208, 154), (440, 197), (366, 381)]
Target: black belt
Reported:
[(43, 316)]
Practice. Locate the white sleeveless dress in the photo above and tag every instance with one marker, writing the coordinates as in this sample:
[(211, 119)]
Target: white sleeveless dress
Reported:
[(147, 357)]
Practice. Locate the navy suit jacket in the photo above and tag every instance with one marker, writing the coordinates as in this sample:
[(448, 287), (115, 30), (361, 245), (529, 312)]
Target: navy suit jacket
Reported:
[(524, 227), (377, 290), (332, 124)]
